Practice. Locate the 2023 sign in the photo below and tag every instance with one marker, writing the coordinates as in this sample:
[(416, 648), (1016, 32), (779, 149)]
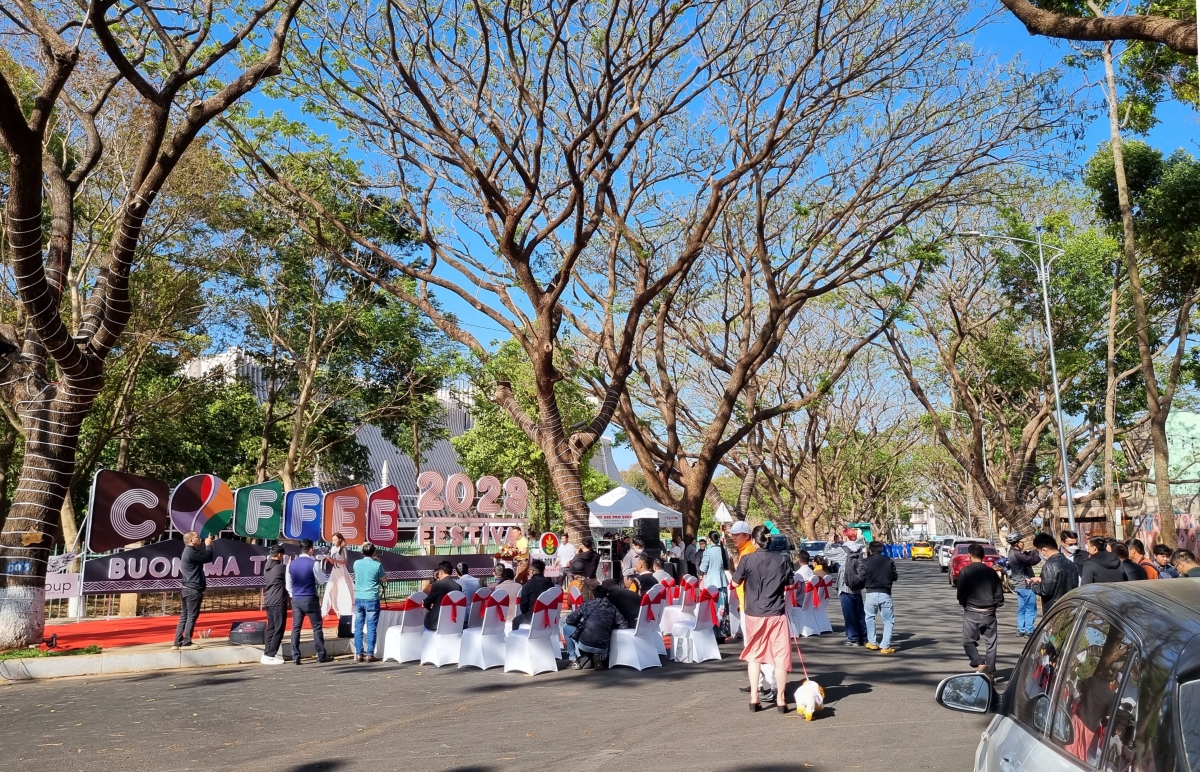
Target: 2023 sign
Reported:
[(461, 491)]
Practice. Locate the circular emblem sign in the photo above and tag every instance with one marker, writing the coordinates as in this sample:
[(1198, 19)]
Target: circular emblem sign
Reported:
[(549, 543), (202, 503)]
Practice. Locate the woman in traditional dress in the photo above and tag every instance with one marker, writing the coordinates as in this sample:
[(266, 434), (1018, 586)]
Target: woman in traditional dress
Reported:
[(339, 591)]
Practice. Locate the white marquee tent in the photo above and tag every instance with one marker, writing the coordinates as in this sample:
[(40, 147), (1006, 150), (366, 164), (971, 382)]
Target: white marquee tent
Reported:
[(621, 506)]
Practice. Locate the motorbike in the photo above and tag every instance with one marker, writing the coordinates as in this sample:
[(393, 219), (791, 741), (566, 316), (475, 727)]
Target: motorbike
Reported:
[(1006, 582)]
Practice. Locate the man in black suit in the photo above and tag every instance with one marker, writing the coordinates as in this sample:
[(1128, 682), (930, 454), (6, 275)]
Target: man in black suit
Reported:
[(537, 584), (443, 585)]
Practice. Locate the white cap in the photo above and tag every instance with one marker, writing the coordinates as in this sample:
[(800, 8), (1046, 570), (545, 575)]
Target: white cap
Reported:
[(741, 526)]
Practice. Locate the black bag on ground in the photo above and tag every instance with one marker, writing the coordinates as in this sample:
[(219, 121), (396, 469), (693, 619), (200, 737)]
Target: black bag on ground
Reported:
[(252, 633), (346, 626)]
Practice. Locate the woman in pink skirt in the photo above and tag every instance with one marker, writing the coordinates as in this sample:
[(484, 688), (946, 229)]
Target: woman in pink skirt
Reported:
[(764, 577)]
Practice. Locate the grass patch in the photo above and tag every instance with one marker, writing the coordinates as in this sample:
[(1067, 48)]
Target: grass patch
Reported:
[(35, 653)]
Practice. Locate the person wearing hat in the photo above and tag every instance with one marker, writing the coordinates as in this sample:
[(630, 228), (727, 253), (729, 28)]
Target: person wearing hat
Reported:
[(275, 600), (1020, 567), (368, 585)]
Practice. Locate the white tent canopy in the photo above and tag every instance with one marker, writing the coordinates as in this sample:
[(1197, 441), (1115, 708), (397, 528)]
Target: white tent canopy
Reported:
[(621, 506)]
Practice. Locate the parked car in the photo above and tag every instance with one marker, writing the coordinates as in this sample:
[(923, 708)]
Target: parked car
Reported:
[(991, 556), (945, 551), (922, 550), (1109, 681), (813, 548)]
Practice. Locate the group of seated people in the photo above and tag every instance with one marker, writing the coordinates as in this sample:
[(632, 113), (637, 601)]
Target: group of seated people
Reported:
[(613, 606), (448, 578)]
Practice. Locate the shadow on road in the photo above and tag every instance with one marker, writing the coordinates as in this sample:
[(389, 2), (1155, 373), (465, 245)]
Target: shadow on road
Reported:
[(330, 765)]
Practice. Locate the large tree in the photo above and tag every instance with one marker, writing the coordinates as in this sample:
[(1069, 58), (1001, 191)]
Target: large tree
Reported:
[(512, 133), (899, 128), (183, 66), (1171, 23)]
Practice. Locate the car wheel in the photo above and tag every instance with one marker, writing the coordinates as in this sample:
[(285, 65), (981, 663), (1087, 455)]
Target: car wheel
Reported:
[(945, 569)]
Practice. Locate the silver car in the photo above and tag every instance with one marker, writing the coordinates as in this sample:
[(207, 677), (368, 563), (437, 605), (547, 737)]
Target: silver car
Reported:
[(1109, 682)]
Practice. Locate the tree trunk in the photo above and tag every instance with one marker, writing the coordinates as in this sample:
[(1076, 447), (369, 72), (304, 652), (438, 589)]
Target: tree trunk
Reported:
[(1155, 404), (52, 422), (264, 442), (294, 452), (8, 444), (1110, 401)]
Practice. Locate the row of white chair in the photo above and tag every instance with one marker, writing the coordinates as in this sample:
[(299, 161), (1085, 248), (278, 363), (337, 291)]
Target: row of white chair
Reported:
[(481, 634)]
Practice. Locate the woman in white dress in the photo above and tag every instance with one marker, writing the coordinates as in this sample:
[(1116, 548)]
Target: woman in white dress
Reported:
[(339, 591)]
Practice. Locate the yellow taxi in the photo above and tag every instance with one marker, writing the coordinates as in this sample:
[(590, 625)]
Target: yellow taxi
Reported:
[(922, 550)]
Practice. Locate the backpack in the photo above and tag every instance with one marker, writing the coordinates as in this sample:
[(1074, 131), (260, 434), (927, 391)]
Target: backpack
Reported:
[(856, 578)]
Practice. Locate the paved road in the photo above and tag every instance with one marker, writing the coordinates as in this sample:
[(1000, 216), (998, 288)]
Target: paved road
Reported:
[(344, 717)]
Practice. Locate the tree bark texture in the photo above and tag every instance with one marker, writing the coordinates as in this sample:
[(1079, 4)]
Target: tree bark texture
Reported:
[(1177, 34)]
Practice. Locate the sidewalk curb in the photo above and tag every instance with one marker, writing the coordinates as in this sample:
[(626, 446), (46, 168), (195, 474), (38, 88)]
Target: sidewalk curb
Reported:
[(110, 663)]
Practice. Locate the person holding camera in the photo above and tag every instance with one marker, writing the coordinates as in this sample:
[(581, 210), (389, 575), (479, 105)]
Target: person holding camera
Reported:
[(275, 600), (191, 566)]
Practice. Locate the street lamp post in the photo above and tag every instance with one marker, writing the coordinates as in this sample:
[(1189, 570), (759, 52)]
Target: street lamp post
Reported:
[(1043, 271)]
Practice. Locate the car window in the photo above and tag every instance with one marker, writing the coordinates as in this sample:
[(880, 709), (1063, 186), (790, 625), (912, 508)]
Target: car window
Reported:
[(1088, 689), (1189, 719), (960, 549), (1119, 750), (1035, 681)]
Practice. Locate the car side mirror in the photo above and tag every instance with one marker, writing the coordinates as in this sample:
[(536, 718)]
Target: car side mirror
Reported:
[(969, 693)]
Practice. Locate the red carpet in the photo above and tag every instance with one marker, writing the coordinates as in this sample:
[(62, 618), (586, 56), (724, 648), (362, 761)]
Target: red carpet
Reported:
[(138, 631)]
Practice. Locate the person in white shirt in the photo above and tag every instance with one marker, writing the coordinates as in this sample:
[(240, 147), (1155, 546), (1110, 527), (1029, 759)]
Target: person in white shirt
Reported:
[(805, 572), (564, 556)]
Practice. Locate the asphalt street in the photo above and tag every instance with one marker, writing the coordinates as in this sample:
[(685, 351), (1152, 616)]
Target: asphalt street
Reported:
[(342, 717)]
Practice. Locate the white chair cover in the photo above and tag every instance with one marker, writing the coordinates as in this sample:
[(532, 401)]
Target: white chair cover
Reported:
[(402, 642), (483, 646), (821, 608), (694, 639), (735, 611), (660, 606), (637, 648), (475, 618), (799, 611), (674, 614), (440, 647), (534, 649)]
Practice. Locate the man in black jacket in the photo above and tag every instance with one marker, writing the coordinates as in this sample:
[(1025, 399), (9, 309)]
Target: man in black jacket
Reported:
[(980, 593), (443, 585), (1072, 550), (1101, 565), (589, 629), (1059, 575), (879, 572), (537, 584), (644, 577), (191, 566), (628, 602), (1020, 566), (275, 600)]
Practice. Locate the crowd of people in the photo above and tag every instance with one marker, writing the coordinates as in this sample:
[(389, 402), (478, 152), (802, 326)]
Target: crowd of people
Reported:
[(757, 571), (1064, 566)]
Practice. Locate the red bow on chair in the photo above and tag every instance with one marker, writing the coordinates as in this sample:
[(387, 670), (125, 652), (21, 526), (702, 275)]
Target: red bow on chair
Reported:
[(409, 604), (648, 602), (671, 590), (491, 602), (708, 595), (454, 604), (813, 589), (689, 588), (790, 592), (826, 583), (545, 609)]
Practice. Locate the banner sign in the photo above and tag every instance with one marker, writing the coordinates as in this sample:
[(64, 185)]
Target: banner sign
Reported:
[(156, 567), (464, 531), (59, 586), (202, 503), (126, 508), (302, 514), (383, 516), (258, 510), (549, 543), (345, 512)]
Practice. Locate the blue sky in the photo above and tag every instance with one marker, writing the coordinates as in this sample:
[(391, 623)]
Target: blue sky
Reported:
[(1006, 39)]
